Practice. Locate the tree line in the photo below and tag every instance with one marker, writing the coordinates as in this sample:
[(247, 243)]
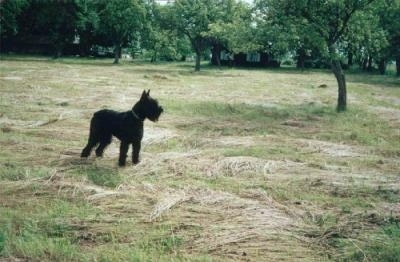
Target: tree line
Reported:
[(312, 33)]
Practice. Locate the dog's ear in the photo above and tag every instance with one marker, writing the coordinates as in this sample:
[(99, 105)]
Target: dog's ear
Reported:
[(148, 92), (144, 95)]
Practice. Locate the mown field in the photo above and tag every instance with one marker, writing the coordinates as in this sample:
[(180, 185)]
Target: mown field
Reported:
[(251, 165)]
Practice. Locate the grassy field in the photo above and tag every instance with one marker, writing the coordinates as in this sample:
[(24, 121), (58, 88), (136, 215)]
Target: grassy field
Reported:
[(252, 165)]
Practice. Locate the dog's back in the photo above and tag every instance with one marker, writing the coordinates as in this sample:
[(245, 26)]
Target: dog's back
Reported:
[(122, 125)]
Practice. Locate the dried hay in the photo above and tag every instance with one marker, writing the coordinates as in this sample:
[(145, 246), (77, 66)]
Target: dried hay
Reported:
[(156, 135), (168, 201), (233, 166), (232, 141), (58, 181), (329, 148), (244, 165), (240, 226), (7, 123)]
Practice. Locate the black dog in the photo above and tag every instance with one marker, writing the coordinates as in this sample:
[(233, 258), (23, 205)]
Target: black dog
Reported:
[(126, 126)]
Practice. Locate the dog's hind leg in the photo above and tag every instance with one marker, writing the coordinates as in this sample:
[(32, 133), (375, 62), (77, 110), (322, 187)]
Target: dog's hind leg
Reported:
[(90, 145), (93, 138), (104, 142)]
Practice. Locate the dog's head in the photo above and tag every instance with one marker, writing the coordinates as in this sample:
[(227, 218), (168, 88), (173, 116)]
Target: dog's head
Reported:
[(149, 107)]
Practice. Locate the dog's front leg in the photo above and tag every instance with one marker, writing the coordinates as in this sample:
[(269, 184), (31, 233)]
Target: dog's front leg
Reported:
[(135, 152), (123, 150)]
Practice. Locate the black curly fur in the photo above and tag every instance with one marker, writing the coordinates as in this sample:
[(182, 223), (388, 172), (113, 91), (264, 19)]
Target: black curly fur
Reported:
[(126, 126)]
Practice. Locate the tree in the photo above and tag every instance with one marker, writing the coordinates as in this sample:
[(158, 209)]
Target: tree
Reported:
[(389, 13), (121, 21), (192, 19), (9, 11), (52, 24), (328, 19), (366, 39), (233, 31), (159, 39), (87, 25)]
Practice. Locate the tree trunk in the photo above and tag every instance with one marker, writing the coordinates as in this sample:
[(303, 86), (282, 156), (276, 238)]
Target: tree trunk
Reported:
[(58, 49), (154, 57), (382, 66), (350, 61), (84, 44), (301, 58), (117, 53), (341, 80), (398, 65), (215, 55), (369, 67), (198, 57), (364, 64)]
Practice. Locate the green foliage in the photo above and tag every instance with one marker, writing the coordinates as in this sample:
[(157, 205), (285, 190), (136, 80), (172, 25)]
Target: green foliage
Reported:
[(121, 22), (193, 18), (87, 25), (317, 30), (32, 19), (368, 37), (235, 30), (9, 10), (121, 19), (160, 40), (389, 14)]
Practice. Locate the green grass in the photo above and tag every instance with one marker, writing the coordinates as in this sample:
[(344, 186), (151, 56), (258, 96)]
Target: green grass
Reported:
[(43, 229), (333, 177), (385, 247), (355, 126), (12, 172), (107, 177)]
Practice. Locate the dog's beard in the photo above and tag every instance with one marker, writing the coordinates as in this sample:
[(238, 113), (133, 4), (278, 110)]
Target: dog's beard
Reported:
[(160, 110)]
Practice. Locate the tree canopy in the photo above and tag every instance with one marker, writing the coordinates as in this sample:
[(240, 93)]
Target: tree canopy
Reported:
[(121, 21)]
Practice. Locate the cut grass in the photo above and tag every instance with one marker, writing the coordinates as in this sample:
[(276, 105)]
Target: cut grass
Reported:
[(242, 165)]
